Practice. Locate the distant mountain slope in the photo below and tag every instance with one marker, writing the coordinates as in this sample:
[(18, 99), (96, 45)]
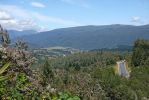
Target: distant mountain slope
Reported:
[(89, 37), (14, 33)]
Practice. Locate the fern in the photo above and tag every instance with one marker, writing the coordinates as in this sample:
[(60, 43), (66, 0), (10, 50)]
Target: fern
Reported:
[(2, 70)]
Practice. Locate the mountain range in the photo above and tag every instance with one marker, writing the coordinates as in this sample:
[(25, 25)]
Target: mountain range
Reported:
[(88, 37)]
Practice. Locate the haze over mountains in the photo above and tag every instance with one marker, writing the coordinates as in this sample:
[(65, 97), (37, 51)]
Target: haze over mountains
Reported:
[(88, 37), (15, 34)]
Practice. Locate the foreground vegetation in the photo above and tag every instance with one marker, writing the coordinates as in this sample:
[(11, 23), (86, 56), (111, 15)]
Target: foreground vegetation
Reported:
[(91, 76), (81, 76)]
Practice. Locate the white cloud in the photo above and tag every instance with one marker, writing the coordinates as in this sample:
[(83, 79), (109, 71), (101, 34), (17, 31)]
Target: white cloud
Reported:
[(28, 24), (7, 21), (22, 19), (38, 5), (14, 24), (4, 15), (136, 19), (16, 11)]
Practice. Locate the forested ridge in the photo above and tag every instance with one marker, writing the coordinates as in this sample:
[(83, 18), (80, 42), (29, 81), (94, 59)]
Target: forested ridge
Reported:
[(89, 37)]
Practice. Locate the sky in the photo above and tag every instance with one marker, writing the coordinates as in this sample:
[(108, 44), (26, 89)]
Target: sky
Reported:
[(43, 15)]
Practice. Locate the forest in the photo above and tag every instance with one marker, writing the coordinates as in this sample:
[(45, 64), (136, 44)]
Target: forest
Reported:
[(88, 75)]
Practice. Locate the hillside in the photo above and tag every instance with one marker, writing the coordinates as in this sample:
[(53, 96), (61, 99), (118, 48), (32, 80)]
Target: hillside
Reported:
[(89, 37), (15, 34)]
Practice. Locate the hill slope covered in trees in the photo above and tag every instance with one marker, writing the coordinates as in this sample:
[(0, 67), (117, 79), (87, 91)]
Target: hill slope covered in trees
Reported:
[(89, 37)]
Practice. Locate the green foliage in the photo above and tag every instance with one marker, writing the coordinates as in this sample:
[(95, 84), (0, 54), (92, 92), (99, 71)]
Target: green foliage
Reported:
[(2, 70), (140, 52), (117, 88), (24, 83), (85, 59), (139, 81), (47, 72), (95, 79), (83, 76), (67, 96)]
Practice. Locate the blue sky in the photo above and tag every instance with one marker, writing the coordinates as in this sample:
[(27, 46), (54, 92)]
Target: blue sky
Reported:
[(44, 15)]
